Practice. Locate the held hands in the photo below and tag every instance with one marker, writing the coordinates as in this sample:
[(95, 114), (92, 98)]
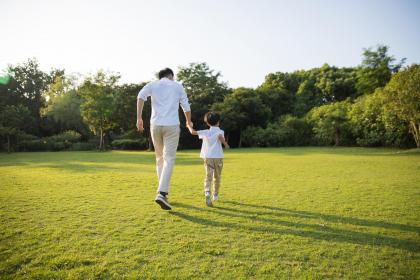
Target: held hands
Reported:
[(191, 129), (139, 125)]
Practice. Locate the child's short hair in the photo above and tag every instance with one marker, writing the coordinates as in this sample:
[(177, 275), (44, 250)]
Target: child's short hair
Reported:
[(211, 118)]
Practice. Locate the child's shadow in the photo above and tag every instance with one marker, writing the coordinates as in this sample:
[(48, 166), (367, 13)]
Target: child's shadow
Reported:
[(275, 225)]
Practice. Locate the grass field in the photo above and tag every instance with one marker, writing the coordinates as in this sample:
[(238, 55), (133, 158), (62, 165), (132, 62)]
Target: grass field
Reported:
[(292, 213)]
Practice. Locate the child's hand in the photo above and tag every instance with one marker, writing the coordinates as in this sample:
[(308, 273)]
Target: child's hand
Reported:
[(227, 146)]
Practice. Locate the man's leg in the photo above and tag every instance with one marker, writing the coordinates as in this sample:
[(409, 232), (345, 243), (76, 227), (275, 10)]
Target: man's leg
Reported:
[(170, 145), (157, 138)]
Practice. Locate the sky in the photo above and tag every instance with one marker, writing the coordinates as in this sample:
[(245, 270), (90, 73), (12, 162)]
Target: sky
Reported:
[(245, 40)]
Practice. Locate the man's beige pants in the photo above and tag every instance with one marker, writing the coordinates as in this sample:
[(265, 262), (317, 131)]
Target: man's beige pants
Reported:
[(213, 167), (165, 140)]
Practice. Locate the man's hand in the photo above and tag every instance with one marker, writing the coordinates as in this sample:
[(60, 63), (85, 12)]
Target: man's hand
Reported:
[(140, 125)]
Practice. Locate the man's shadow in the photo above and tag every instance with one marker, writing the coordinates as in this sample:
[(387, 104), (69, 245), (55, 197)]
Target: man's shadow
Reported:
[(275, 225), (331, 218)]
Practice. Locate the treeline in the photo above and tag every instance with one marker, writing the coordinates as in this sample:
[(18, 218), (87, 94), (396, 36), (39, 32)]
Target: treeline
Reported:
[(374, 104)]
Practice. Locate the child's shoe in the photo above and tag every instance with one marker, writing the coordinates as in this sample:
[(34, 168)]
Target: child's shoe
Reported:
[(215, 197)]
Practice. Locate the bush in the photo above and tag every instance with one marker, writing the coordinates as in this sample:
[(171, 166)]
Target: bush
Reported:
[(67, 136), (129, 144), (60, 146), (27, 137), (288, 131), (331, 123), (48, 145), (130, 134), (37, 145), (19, 140), (59, 142), (297, 130), (83, 146), (373, 125), (63, 141)]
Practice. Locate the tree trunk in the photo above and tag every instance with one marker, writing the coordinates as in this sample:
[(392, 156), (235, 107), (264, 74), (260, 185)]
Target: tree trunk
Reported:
[(150, 142), (418, 136), (8, 143), (337, 137), (101, 141), (416, 132), (240, 140)]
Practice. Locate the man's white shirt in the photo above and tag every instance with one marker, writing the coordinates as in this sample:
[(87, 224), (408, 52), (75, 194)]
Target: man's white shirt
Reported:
[(211, 147), (166, 96)]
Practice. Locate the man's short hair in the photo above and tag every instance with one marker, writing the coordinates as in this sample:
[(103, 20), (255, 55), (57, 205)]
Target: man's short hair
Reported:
[(165, 73), (211, 118)]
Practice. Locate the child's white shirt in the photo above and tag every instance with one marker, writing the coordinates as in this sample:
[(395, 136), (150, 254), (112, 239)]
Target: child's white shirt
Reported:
[(211, 147)]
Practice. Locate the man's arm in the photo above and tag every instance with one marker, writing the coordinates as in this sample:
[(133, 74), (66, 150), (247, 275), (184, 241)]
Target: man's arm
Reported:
[(185, 106), (222, 139), (188, 119), (192, 130), (140, 105), (144, 93)]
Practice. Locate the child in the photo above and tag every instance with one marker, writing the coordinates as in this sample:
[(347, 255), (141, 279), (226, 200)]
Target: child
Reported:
[(212, 153)]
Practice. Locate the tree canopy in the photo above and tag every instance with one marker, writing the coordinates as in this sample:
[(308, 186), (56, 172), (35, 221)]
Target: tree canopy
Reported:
[(376, 103)]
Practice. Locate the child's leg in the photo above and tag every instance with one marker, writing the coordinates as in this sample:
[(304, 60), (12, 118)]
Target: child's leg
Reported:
[(208, 166), (218, 166)]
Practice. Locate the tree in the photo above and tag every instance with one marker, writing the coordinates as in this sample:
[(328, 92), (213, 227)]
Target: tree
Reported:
[(98, 103), (125, 112), (243, 107), (330, 122), (278, 92), (308, 96), (335, 84), (202, 84), (366, 119), (5, 77), (300, 91), (12, 120), (403, 95), (204, 88), (376, 69), (372, 125), (26, 87), (63, 105)]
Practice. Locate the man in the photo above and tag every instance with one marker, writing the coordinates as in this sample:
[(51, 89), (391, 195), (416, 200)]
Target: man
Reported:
[(166, 95)]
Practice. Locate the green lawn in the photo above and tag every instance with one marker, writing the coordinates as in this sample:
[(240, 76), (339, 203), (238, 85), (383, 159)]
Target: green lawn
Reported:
[(311, 213)]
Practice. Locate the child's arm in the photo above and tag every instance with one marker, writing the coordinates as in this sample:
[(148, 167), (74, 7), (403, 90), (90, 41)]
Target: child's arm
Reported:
[(192, 130), (222, 139)]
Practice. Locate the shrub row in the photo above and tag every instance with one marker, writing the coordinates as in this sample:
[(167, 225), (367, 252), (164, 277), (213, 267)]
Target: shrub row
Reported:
[(71, 141), (68, 140), (288, 131), (129, 144)]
